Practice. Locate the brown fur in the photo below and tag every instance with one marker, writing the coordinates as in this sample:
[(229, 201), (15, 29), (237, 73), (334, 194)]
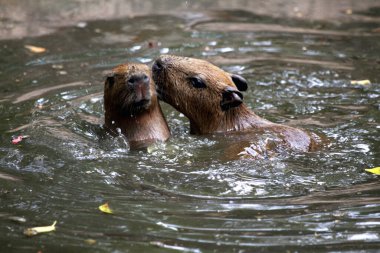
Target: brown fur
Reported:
[(174, 78), (131, 105)]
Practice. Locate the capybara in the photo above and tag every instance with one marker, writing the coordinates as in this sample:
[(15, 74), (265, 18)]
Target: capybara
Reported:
[(131, 105), (212, 100)]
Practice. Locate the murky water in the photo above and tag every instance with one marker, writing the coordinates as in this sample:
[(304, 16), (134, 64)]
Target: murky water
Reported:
[(187, 195)]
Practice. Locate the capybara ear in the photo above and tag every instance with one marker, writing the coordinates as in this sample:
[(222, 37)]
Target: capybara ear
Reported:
[(231, 98), (110, 79), (240, 82)]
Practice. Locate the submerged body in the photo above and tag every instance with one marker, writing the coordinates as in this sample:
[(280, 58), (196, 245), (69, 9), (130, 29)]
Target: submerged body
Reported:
[(212, 100), (131, 105)]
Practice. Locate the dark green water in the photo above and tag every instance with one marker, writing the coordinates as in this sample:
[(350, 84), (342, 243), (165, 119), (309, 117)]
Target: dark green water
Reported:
[(184, 195)]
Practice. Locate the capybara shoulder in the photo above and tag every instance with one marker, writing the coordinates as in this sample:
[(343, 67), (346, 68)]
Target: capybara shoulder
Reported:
[(212, 99), (131, 105)]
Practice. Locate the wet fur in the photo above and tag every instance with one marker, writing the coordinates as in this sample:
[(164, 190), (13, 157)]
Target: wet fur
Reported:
[(203, 105)]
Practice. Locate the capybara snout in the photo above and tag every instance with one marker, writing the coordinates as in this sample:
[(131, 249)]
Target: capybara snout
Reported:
[(139, 84)]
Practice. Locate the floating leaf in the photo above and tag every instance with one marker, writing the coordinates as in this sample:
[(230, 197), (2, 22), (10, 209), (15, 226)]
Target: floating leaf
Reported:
[(360, 82), (375, 171), (105, 208), (18, 139), (38, 230), (90, 241), (35, 49)]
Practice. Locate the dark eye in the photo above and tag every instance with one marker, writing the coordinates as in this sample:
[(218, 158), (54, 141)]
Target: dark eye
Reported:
[(197, 82)]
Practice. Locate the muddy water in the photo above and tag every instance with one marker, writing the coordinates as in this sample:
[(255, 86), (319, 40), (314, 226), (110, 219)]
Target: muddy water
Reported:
[(187, 195)]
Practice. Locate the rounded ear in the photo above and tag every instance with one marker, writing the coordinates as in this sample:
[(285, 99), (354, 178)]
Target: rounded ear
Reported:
[(240, 82), (231, 98), (110, 79)]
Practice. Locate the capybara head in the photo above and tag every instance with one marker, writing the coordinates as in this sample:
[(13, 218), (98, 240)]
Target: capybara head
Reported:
[(197, 88), (129, 89)]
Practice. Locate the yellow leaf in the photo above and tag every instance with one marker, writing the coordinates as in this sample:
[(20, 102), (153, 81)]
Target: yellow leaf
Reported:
[(35, 49), (38, 230), (90, 241), (360, 82), (375, 171), (105, 208)]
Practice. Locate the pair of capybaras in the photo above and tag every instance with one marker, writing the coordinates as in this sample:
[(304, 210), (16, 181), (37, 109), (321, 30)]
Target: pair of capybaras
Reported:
[(209, 97)]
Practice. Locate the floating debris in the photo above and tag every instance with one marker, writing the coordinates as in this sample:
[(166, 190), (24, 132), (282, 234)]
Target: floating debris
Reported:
[(375, 170), (35, 49), (17, 219), (38, 230), (18, 139), (90, 241), (105, 208), (360, 82)]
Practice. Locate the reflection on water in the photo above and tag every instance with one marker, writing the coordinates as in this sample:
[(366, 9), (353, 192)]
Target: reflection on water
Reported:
[(187, 194)]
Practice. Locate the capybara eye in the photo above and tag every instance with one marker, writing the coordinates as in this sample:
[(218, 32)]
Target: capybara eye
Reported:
[(197, 82), (240, 82)]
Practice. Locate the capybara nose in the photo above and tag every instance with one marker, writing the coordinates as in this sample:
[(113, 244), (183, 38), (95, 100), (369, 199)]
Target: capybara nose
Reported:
[(138, 80), (158, 65)]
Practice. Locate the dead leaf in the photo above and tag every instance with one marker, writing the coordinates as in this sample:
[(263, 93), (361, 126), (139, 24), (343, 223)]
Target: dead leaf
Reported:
[(90, 241), (360, 82), (375, 170), (105, 208), (35, 49), (38, 230), (18, 139)]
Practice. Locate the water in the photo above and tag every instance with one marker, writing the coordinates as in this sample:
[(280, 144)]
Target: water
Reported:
[(188, 194)]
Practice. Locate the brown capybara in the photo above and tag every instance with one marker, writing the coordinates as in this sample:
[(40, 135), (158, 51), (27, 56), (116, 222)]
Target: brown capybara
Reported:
[(131, 105), (212, 100)]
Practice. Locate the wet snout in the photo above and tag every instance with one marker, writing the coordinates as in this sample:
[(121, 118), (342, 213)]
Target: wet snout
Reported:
[(140, 84), (157, 71), (160, 64), (157, 65)]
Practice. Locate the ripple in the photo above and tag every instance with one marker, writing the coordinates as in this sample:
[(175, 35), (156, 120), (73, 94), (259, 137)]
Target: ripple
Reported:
[(189, 194)]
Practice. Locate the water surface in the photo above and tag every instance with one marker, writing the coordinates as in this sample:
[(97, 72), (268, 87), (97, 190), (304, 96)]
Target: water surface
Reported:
[(187, 195)]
